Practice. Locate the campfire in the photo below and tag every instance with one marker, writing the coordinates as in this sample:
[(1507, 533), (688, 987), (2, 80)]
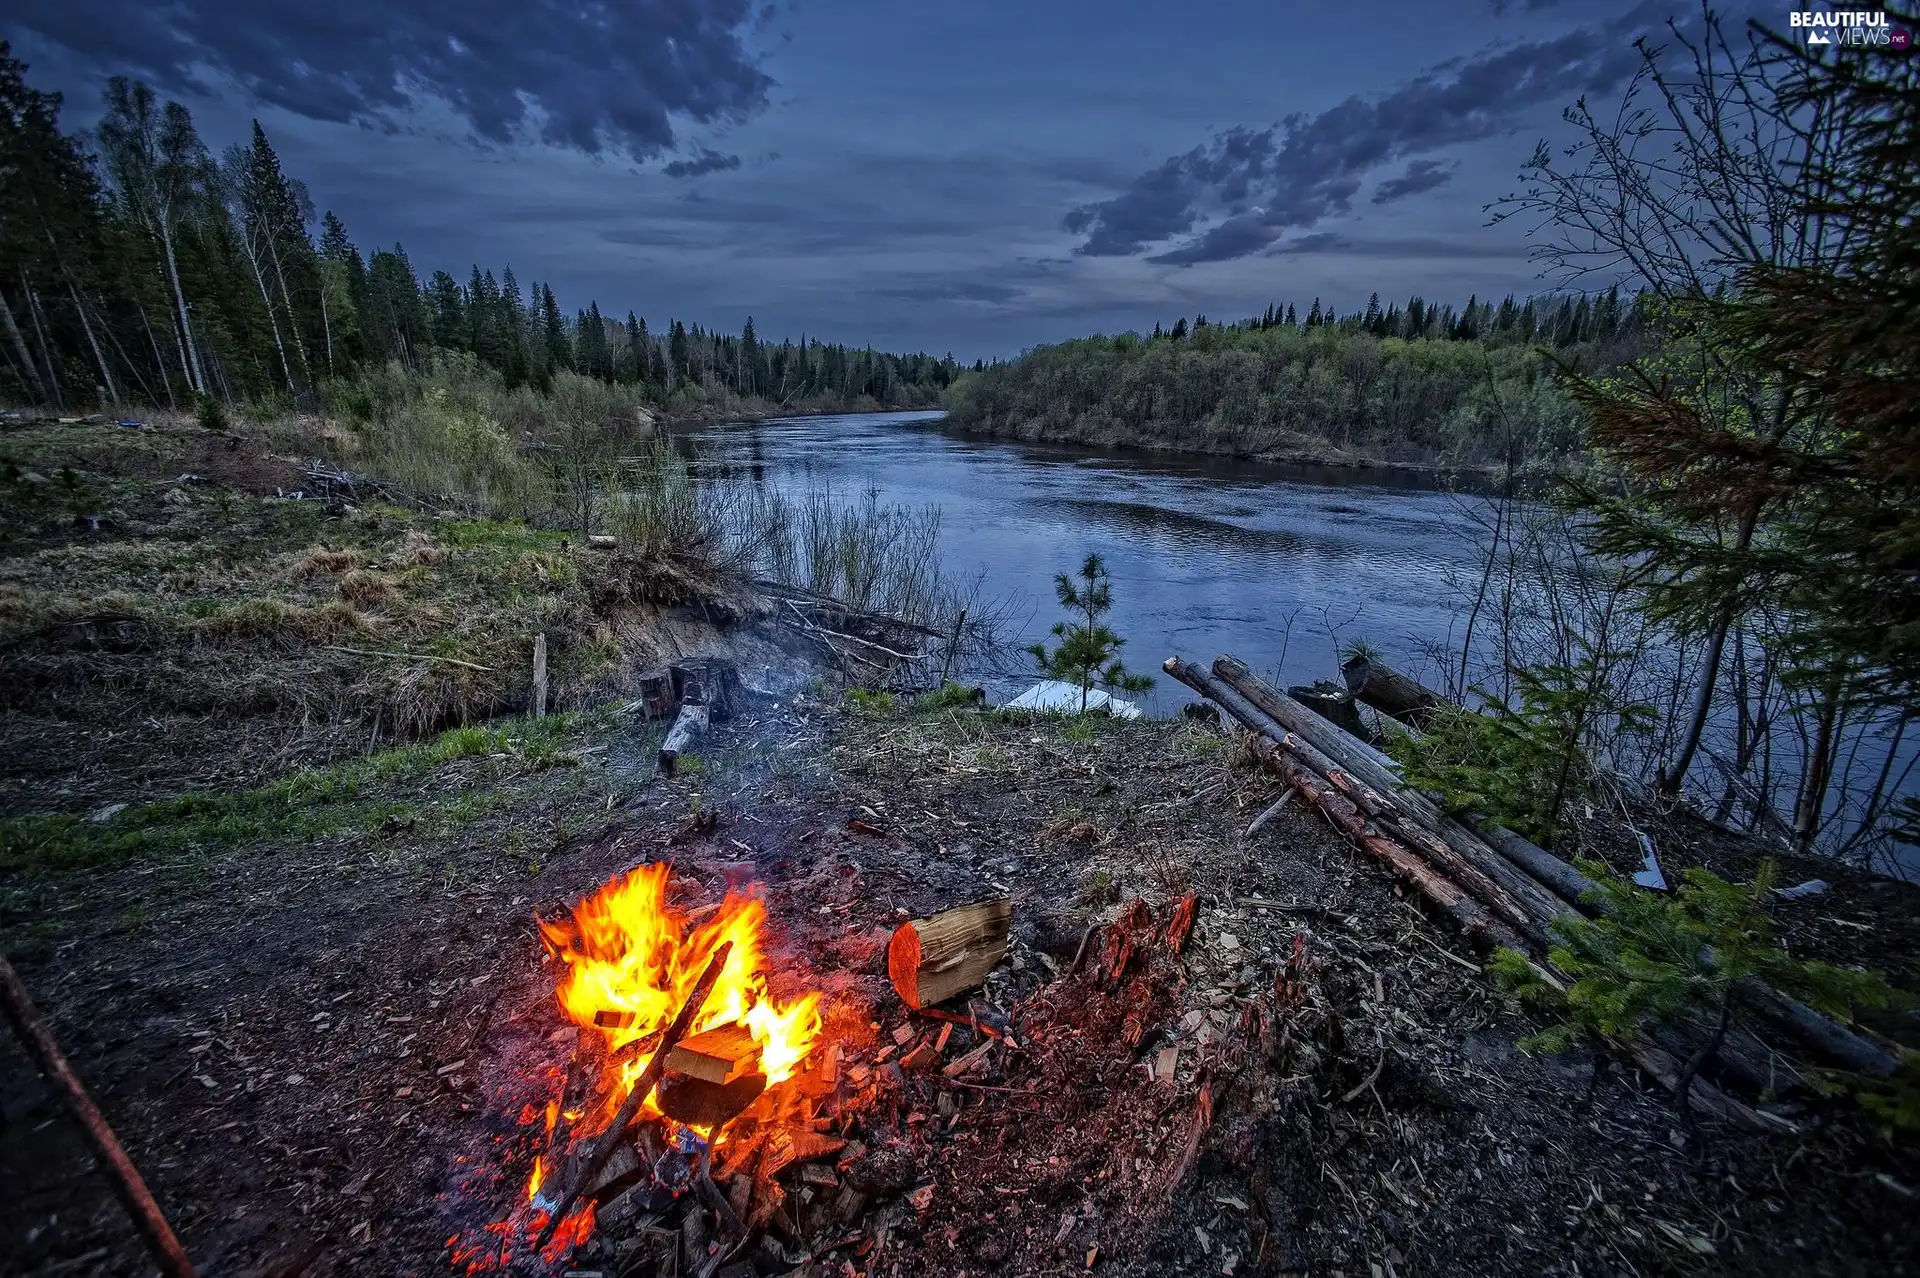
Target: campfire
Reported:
[(684, 1004)]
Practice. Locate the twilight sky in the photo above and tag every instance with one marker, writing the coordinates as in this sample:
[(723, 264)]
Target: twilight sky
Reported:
[(968, 178)]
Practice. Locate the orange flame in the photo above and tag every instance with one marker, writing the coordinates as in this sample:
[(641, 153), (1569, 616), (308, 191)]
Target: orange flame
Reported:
[(632, 959)]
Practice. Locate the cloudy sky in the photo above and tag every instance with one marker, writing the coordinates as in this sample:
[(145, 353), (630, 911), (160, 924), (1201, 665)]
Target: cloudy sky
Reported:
[(971, 178)]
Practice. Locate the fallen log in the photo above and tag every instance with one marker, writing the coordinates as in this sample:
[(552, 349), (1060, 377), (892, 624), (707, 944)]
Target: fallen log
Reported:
[(932, 959), (1522, 901), (1379, 685), (1472, 918), (1277, 714), (688, 727), (125, 1178)]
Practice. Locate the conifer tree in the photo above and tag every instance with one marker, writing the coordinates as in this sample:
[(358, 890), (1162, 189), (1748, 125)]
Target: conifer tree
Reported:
[(1089, 652)]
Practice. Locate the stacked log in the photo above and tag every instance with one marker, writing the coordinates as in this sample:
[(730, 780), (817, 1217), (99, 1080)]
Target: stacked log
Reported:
[(1500, 889)]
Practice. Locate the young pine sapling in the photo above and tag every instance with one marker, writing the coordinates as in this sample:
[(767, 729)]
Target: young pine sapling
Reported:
[(1089, 652)]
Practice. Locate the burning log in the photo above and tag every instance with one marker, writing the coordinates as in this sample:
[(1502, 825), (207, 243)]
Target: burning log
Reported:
[(688, 727), (698, 1102), (718, 1055), (616, 1132), (932, 959)]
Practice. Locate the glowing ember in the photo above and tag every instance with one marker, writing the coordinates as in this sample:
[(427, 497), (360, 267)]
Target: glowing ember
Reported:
[(632, 959)]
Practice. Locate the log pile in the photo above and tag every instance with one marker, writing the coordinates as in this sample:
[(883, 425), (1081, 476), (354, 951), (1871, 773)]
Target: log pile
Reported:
[(1498, 888)]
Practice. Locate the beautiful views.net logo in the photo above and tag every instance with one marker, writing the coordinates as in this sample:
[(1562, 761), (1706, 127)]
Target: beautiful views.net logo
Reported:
[(1853, 27)]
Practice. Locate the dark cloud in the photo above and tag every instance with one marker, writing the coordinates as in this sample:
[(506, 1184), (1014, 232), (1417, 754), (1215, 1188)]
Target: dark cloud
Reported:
[(954, 291), (702, 161), (1318, 242), (1421, 175), (594, 75), (1292, 175)]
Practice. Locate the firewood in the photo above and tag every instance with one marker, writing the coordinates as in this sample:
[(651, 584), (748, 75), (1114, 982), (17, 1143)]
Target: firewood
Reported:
[(622, 1170), (616, 1131), (695, 1102), (717, 1055), (920, 1057), (967, 1062), (932, 959)]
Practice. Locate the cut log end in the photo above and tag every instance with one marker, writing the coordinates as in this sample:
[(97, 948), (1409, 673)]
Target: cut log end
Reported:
[(932, 959)]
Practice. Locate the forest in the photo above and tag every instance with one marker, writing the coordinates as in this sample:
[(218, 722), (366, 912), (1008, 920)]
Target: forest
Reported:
[(1424, 384), (142, 268)]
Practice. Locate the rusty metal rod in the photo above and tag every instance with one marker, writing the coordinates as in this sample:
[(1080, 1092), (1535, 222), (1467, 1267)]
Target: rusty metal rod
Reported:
[(121, 1173)]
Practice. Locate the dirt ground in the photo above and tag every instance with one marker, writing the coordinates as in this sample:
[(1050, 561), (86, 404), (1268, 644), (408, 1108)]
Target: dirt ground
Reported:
[(308, 1046)]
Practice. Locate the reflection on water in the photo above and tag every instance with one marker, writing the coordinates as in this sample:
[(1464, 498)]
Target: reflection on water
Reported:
[(1208, 555)]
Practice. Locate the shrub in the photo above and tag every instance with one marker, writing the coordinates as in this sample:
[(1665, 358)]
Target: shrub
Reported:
[(1679, 960)]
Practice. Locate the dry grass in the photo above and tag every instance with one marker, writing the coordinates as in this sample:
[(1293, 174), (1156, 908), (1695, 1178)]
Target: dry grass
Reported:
[(319, 561)]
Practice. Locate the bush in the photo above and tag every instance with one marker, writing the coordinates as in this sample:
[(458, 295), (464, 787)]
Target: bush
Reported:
[(212, 414), (1658, 960)]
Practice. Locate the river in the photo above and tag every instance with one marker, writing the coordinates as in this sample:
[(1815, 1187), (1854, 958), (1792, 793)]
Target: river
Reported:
[(1208, 555)]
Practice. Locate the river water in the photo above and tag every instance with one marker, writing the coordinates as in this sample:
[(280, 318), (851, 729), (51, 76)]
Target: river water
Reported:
[(1208, 555)]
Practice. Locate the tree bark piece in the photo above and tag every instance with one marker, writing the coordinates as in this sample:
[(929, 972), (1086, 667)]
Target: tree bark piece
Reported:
[(932, 959), (124, 1176), (688, 728), (717, 1055)]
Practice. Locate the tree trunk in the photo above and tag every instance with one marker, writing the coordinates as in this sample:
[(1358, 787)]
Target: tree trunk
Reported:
[(195, 378), (159, 361), (266, 300), (293, 320), (99, 356), (40, 336), (22, 356), (1818, 771), (1671, 779)]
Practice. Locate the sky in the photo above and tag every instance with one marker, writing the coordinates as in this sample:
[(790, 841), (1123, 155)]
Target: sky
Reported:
[(972, 179)]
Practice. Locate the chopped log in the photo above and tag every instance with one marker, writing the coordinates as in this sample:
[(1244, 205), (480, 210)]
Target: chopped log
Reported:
[(616, 1131), (623, 1169), (1390, 692), (132, 1191), (695, 1102), (920, 1057), (1333, 703), (602, 541), (717, 1055), (688, 727), (932, 959)]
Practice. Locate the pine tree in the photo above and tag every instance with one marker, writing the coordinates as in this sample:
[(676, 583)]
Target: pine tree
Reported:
[(1088, 652), (1179, 332), (553, 331)]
